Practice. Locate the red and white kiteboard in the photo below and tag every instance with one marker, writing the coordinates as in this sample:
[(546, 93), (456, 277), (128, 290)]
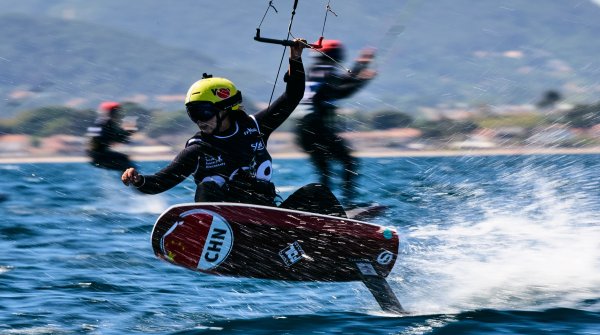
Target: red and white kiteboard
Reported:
[(243, 240)]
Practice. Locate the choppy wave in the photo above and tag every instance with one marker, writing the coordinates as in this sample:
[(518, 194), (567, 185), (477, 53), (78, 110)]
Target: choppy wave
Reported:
[(490, 245)]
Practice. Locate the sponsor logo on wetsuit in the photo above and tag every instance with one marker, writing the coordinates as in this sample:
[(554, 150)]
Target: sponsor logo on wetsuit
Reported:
[(258, 146), (249, 131), (213, 162)]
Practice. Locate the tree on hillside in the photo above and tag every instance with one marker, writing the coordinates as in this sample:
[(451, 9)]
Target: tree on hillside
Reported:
[(445, 128), (387, 119), (170, 123), (584, 116), (46, 121), (550, 98), (143, 115), (4, 128)]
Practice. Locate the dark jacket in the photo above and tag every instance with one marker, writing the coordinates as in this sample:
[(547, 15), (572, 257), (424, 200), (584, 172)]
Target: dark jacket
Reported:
[(241, 155), (104, 133)]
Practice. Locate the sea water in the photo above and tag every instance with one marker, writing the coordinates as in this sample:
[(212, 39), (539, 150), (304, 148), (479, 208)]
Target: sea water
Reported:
[(489, 245)]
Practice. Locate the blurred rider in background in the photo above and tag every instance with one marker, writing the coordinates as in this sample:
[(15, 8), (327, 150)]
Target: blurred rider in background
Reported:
[(317, 132), (106, 131)]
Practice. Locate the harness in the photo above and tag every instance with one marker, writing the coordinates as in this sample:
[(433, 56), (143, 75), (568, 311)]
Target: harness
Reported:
[(238, 163)]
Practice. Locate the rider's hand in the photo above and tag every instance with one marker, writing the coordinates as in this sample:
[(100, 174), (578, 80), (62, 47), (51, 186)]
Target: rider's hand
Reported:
[(131, 176), (366, 55), (296, 49), (366, 74)]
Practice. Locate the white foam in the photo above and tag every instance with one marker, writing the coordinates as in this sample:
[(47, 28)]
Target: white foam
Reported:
[(545, 254), (117, 197), (5, 268)]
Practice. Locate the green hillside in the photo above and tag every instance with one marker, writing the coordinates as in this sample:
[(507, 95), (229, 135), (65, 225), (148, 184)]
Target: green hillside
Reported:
[(494, 52), (48, 61)]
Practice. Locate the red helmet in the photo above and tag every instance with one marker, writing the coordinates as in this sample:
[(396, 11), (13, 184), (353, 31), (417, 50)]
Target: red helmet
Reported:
[(109, 108), (328, 45), (333, 49)]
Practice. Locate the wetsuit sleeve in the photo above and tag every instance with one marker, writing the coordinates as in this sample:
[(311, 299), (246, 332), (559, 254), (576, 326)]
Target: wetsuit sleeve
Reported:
[(116, 133), (184, 164), (272, 117), (337, 87)]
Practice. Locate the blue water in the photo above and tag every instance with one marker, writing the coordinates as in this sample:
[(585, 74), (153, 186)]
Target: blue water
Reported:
[(489, 245)]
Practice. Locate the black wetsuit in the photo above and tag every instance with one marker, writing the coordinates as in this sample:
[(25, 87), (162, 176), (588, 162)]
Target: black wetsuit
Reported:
[(233, 166), (317, 131), (103, 134)]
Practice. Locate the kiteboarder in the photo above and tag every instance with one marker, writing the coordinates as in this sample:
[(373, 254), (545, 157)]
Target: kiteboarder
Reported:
[(228, 157), (317, 131), (106, 131)]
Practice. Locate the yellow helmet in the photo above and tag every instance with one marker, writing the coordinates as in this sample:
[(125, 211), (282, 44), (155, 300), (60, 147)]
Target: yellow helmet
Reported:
[(220, 92)]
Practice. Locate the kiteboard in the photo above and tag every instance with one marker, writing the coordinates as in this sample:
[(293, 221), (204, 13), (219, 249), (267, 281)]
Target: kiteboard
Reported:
[(366, 211), (242, 240)]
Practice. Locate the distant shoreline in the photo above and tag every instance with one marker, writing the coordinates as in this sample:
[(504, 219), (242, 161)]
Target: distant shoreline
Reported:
[(366, 154)]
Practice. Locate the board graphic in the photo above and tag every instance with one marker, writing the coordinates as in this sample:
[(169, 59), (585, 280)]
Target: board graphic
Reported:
[(242, 240), (271, 243)]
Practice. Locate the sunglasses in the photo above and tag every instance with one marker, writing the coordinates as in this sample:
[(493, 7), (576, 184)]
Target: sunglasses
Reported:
[(201, 111)]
